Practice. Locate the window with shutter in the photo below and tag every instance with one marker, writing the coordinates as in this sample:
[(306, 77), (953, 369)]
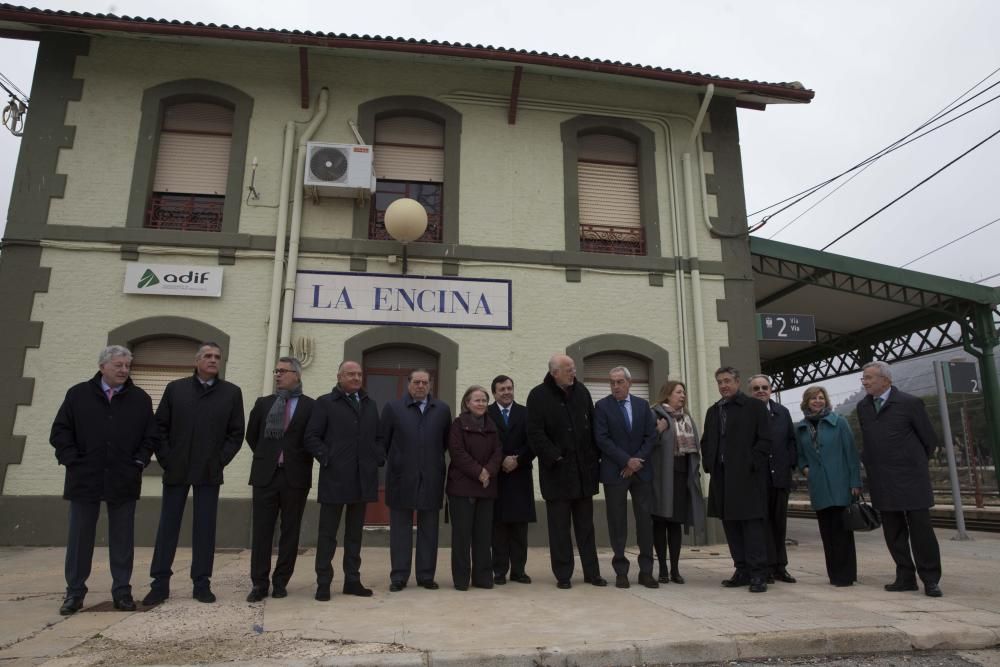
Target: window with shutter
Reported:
[(409, 162), (159, 361), (597, 367), (608, 191), (192, 167)]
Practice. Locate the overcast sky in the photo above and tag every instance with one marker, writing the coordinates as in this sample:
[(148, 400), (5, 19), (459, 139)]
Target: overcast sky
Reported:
[(879, 70)]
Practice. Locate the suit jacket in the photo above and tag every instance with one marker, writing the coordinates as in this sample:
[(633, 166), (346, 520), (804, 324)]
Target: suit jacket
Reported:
[(298, 462), (898, 444), (415, 444), (346, 440), (783, 453), (618, 443), (744, 451), (516, 500)]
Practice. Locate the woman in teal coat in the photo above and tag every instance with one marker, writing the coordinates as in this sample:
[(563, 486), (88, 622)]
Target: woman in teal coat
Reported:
[(829, 461)]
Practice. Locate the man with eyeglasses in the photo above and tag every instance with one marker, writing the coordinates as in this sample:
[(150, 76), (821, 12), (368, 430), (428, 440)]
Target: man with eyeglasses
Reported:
[(343, 435), (779, 479), (201, 428), (103, 434), (281, 475)]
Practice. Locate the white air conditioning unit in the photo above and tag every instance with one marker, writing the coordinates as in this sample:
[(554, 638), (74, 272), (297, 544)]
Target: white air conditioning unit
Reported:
[(339, 170)]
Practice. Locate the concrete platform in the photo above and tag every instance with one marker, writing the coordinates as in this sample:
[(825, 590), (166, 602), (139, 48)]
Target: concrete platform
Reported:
[(514, 624)]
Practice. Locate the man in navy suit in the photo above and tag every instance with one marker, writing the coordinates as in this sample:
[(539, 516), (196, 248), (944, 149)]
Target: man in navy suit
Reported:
[(625, 431)]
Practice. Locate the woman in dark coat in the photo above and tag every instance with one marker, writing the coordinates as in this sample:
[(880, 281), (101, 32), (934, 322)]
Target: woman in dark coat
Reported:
[(475, 463), (677, 496), (829, 461)]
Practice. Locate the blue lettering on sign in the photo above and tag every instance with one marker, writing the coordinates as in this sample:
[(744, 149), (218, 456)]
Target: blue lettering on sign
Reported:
[(420, 301), (316, 289), (483, 305), (382, 298), (344, 298), (407, 298), (464, 303)]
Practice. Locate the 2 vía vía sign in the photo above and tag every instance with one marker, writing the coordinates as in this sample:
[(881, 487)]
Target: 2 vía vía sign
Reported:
[(371, 298), (786, 327), (173, 279)]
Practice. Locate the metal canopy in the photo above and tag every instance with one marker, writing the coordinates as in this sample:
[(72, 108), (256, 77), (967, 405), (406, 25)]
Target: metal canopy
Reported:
[(863, 310)]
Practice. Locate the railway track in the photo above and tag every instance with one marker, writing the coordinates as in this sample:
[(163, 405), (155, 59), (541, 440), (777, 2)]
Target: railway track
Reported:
[(938, 519)]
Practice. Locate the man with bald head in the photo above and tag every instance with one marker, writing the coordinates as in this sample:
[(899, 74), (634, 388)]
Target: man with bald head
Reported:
[(561, 433)]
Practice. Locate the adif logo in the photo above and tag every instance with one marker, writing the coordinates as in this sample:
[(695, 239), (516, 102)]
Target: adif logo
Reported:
[(148, 279)]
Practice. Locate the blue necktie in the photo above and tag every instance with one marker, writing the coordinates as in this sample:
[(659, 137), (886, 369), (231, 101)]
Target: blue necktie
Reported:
[(628, 422), (506, 416)]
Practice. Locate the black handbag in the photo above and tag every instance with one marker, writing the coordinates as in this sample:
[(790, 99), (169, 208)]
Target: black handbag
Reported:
[(861, 517)]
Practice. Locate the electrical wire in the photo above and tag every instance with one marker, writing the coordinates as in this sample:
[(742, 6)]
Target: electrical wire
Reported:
[(938, 171), (16, 93), (896, 145), (954, 240)]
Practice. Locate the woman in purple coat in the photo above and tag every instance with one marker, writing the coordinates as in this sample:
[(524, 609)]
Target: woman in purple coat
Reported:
[(475, 452)]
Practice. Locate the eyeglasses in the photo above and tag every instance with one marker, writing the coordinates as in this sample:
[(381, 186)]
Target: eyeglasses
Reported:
[(759, 387), (282, 371)]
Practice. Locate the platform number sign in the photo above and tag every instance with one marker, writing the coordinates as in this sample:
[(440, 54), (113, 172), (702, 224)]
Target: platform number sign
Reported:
[(786, 327), (962, 377)]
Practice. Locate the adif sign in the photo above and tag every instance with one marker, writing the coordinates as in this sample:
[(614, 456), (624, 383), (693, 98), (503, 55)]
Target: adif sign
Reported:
[(173, 279), (372, 298)]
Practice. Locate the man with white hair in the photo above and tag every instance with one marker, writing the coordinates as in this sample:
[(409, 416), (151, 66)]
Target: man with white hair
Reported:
[(898, 444), (104, 434)]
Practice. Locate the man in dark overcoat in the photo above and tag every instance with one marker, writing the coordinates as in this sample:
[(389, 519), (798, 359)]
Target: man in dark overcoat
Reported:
[(281, 474), (899, 441), (515, 505), (104, 434), (781, 462), (561, 433), (415, 432), (625, 431), (343, 435), (735, 445), (201, 428)]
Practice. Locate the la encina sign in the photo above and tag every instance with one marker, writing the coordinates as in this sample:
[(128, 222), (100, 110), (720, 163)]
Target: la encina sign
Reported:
[(173, 279), (376, 298)]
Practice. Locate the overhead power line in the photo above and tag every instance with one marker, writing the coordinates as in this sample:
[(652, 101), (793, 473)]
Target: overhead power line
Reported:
[(953, 241), (938, 171)]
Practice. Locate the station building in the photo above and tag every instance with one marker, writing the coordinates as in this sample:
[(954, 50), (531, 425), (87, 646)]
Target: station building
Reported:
[(183, 182)]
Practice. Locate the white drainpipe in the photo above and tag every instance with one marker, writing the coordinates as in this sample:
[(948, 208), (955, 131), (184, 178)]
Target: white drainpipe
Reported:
[(701, 365), (279, 259), (293, 242)]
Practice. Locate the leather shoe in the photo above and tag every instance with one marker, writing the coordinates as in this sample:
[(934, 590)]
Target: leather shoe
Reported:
[(563, 585), (900, 586), (323, 593), (484, 584), (676, 578), (70, 606), (279, 591), (595, 581), (461, 587), (770, 578), (621, 581), (736, 581), (430, 585), (124, 602), (758, 586), (520, 578), (396, 586), (932, 590), (154, 597), (648, 581), (356, 588), (664, 578), (782, 575), (257, 594), (204, 595), (500, 580)]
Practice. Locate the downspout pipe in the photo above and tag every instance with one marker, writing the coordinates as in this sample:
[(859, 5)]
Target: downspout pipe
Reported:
[(701, 363), (284, 347), (279, 259)]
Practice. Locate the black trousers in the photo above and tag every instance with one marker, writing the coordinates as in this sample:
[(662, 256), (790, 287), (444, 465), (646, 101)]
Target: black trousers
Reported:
[(560, 514), (908, 530), (401, 544), (776, 527), (206, 505), (510, 548), (667, 538), (471, 533), (326, 543), (80, 545), (268, 502), (617, 508), (838, 546), (746, 545)]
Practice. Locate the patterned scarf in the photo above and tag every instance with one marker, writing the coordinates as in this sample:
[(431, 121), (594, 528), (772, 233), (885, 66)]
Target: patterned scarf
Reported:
[(274, 426), (684, 440), (812, 421)]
